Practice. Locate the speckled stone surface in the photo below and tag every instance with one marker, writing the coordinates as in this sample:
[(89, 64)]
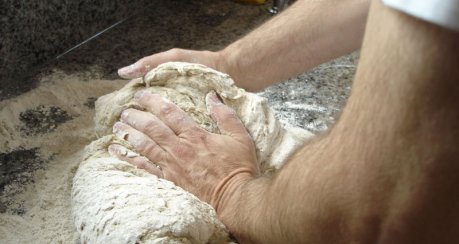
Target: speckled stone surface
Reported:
[(200, 25), (34, 32), (311, 100), (314, 99)]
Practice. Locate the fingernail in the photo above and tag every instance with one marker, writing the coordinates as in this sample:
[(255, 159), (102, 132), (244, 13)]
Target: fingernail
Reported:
[(138, 95), (124, 114), (131, 154), (117, 130), (127, 71), (117, 126)]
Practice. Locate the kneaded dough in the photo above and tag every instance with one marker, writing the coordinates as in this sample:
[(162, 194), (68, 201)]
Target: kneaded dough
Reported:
[(114, 202)]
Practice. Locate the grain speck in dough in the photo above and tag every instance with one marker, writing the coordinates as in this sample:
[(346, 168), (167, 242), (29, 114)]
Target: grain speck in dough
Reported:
[(114, 202)]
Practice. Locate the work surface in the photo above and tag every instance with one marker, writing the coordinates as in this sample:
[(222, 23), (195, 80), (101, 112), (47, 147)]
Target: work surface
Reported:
[(312, 100)]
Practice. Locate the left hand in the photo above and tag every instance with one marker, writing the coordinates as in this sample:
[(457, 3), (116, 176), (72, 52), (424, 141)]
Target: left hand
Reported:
[(142, 66), (211, 166)]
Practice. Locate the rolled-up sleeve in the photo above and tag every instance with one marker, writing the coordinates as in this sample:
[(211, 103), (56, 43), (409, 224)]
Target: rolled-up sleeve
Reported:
[(441, 12)]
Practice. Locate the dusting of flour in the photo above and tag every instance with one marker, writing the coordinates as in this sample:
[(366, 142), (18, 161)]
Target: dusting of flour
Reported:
[(44, 204)]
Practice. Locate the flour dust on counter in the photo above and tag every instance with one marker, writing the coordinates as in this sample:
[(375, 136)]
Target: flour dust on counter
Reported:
[(42, 133)]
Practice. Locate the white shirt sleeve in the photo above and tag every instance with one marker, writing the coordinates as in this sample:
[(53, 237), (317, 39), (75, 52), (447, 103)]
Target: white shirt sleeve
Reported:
[(441, 12)]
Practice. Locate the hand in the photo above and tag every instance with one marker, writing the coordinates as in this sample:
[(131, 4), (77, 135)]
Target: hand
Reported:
[(211, 166), (142, 66)]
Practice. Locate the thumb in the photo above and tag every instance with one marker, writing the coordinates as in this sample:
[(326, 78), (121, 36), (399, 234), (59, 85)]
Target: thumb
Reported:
[(226, 118), (145, 64), (135, 70)]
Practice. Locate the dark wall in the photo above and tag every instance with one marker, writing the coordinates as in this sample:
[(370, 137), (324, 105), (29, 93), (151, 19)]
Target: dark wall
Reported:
[(33, 32)]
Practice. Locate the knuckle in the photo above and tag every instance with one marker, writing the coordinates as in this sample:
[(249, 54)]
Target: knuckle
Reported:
[(147, 148), (176, 52), (155, 133), (152, 152), (141, 164), (137, 142), (143, 62), (162, 137), (228, 114), (150, 126), (195, 133), (183, 151), (145, 99), (166, 109)]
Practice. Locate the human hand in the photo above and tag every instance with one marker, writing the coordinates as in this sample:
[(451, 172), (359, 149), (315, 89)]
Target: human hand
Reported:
[(211, 166), (142, 66)]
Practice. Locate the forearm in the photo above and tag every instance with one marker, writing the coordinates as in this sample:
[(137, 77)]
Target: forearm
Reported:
[(388, 171), (307, 34), (303, 203)]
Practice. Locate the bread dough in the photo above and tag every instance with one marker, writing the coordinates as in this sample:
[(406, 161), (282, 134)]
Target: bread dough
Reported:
[(114, 202)]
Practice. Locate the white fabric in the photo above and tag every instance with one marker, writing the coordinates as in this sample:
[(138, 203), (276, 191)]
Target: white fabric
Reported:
[(441, 12)]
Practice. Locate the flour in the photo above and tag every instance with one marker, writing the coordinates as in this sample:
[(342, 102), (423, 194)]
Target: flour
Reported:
[(44, 203), (114, 202)]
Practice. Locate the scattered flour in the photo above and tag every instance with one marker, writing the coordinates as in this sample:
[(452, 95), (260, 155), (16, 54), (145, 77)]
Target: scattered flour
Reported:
[(46, 204)]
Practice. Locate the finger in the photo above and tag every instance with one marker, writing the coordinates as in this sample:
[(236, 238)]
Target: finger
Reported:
[(149, 125), (174, 117), (227, 121), (141, 143), (143, 65), (135, 159), (135, 70)]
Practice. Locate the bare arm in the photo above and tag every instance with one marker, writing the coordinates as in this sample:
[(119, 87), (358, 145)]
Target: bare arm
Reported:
[(388, 171), (307, 34)]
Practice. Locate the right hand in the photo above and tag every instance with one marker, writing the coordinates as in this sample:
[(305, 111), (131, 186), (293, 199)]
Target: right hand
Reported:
[(142, 66), (172, 146)]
